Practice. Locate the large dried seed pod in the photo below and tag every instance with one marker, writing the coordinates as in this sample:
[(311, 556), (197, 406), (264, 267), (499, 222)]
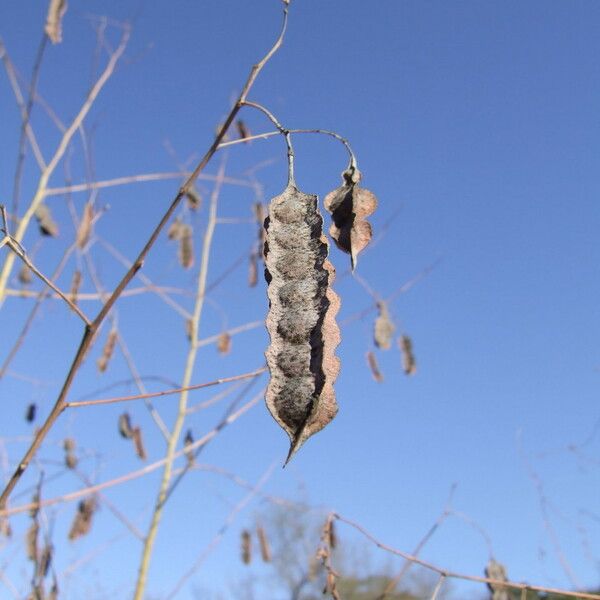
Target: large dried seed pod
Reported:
[(45, 221), (384, 327), (409, 363), (350, 205), (301, 320)]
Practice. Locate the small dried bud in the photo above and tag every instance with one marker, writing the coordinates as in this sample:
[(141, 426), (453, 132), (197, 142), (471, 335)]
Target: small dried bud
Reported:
[(45, 221), (70, 457), (125, 428), (75, 284), (31, 541), (224, 343), (188, 441), (189, 329), (56, 12), (253, 269), (30, 413), (496, 570), (45, 560), (174, 231), (194, 199), (5, 528)]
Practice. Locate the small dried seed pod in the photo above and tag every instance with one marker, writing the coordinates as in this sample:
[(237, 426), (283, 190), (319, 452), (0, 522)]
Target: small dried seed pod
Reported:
[(372, 362), (82, 522), (409, 363), (138, 443), (265, 548), (384, 327), (30, 413), (224, 343), (107, 351), (186, 246), (85, 226), (246, 547), (125, 428), (45, 221)]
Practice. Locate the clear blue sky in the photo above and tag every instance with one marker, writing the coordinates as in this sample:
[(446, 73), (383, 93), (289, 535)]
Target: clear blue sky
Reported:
[(480, 123)]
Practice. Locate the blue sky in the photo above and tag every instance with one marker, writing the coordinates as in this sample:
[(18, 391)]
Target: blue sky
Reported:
[(478, 124)]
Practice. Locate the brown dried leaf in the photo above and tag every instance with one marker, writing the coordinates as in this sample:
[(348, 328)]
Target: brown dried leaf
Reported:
[(56, 12), (24, 276), (224, 343), (30, 413), (372, 362), (85, 226), (82, 522), (496, 570), (189, 453), (265, 548), (243, 130), (384, 327), (408, 358), (125, 428), (186, 246), (193, 198), (301, 320), (349, 206), (138, 442), (75, 285), (246, 547), (107, 351), (45, 221)]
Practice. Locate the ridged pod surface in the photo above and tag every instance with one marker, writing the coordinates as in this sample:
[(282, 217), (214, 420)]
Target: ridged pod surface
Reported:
[(301, 320)]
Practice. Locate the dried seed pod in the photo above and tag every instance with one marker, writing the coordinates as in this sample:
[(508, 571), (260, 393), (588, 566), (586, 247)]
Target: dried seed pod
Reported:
[(328, 534), (253, 269), (189, 329), (30, 413), (5, 528), (70, 457), (31, 541), (85, 226), (174, 231), (107, 351), (265, 548), (246, 547), (45, 560), (82, 522), (496, 570), (349, 206), (243, 130), (259, 214), (384, 327), (56, 12), (138, 443), (45, 221), (301, 320), (75, 284), (188, 441), (24, 275), (193, 198), (224, 343), (372, 362), (125, 428), (186, 246), (408, 358)]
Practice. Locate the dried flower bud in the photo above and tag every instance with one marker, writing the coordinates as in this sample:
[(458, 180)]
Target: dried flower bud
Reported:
[(174, 231), (70, 457), (243, 130), (253, 269), (187, 442)]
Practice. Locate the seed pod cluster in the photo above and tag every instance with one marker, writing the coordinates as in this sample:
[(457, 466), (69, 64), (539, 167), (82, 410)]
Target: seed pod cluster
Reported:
[(301, 319), (350, 205)]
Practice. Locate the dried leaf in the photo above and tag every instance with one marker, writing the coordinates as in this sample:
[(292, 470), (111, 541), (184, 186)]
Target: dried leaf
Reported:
[(188, 441), (193, 198), (265, 548), (372, 362), (253, 269), (301, 320), (138, 442), (408, 358), (70, 457), (82, 522), (107, 351), (45, 221), (186, 246), (224, 343), (384, 327), (56, 12), (24, 276), (30, 413), (349, 206), (496, 570), (75, 284), (246, 547), (125, 428), (243, 130), (85, 226)]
